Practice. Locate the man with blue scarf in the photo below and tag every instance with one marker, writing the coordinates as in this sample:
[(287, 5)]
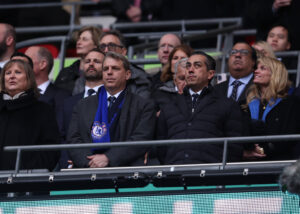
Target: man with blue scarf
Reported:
[(114, 115)]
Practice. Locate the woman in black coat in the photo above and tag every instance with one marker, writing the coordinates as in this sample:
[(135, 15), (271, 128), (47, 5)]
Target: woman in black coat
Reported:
[(24, 120), (273, 111)]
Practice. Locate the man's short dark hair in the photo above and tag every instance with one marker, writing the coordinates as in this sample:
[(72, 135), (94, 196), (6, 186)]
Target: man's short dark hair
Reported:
[(210, 62), (118, 56), (115, 33), (20, 54)]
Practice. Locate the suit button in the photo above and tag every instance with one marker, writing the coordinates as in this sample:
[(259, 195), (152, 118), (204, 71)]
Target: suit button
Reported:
[(186, 155), (189, 124)]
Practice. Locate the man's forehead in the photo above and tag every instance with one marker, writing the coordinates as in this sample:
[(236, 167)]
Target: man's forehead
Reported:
[(111, 61), (94, 54), (170, 39), (110, 38), (196, 58), (240, 46)]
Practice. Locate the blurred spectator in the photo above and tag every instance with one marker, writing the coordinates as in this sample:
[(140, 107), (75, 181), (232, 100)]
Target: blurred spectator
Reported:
[(163, 94), (166, 44), (199, 113), (179, 75), (278, 38), (136, 10), (264, 14), (24, 120), (7, 43), (139, 82), (263, 49), (42, 66), (272, 111), (71, 78), (116, 115), (241, 64)]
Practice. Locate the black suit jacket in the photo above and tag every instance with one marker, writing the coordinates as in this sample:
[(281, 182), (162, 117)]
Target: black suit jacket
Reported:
[(66, 113), (222, 89), (136, 123), (55, 97)]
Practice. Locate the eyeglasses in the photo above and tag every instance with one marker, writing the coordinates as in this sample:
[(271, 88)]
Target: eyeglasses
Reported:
[(109, 46), (243, 52)]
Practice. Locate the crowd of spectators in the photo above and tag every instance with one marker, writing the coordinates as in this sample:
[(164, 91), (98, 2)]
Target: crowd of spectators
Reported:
[(103, 98)]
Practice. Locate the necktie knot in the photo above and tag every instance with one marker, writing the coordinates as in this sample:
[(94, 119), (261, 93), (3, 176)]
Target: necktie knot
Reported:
[(111, 100), (90, 92), (236, 84)]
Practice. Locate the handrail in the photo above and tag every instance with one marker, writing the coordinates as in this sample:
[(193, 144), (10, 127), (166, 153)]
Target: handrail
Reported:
[(46, 4), (179, 23), (254, 139)]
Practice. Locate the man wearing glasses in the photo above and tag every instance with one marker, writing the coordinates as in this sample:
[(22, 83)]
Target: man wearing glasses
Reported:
[(199, 113), (139, 82), (241, 64)]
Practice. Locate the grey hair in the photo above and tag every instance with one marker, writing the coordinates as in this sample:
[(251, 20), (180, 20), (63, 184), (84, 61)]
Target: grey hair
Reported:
[(177, 64)]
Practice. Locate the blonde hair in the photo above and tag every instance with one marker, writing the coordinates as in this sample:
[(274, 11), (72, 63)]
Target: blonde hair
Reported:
[(278, 85), (29, 75), (265, 46)]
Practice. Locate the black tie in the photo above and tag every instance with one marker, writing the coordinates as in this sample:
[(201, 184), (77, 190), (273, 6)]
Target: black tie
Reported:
[(90, 92), (111, 100), (194, 100), (236, 84)]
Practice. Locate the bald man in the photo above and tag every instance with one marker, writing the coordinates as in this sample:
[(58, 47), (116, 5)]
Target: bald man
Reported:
[(165, 46)]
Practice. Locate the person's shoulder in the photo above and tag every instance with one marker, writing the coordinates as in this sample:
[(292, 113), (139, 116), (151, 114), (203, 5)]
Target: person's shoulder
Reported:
[(135, 98), (60, 91)]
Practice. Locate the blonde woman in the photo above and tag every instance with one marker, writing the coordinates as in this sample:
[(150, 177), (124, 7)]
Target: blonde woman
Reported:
[(272, 110)]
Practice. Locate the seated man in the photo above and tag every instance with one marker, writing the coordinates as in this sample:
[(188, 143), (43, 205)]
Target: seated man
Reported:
[(199, 113), (121, 115)]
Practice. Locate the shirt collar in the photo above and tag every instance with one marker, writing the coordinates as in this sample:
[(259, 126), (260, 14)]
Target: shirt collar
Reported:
[(116, 95), (8, 97), (192, 92), (244, 80), (43, 87), (3, 63), (86, 88)]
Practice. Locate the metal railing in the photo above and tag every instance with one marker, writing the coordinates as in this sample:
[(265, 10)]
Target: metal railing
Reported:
[(225, 141)]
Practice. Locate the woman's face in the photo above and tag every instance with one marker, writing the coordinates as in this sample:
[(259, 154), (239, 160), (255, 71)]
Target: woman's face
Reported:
[(262, 75), (178, 55), (85, 43), (15, 80)]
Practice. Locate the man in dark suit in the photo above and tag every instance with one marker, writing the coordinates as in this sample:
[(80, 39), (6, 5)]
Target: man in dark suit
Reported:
[(241, 64), (42, 65), (115, 114), (199, 113), (92, 66)]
